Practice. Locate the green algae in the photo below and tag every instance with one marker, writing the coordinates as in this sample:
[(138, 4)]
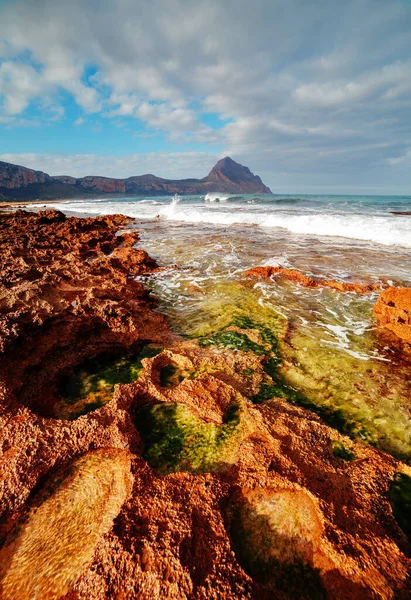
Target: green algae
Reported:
[(320, 380), (91, 386), (229, 303), (276, 384), (332, 358), (355, 391), (341, 451), (174, 439), (237, 340), (400, 499), (233, 340), (338, 388)]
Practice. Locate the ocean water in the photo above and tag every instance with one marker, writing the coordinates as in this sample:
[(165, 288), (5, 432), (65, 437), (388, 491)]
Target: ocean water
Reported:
[(333, 351), (366, 218)]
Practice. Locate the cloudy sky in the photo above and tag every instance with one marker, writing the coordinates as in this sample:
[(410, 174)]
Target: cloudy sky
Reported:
[(314, 96)]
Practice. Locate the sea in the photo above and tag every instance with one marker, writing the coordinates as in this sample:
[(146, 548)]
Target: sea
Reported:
[(333, 352)]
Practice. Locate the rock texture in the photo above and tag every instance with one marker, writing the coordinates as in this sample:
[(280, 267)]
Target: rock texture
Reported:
[(233, 493), (393, 311), (310, 282), (20, 183), (56, 539)]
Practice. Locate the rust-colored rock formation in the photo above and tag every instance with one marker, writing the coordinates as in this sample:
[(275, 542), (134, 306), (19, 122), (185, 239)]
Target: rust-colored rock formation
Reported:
[(310, 282), (224, 498), (56, 540), (393, 311)]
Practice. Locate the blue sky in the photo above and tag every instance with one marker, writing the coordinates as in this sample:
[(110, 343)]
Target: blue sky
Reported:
[(312, 96)]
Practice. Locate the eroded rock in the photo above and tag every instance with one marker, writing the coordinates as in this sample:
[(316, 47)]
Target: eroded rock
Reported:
[(310, 282), (47, 552), (221, 434), (393, 311)]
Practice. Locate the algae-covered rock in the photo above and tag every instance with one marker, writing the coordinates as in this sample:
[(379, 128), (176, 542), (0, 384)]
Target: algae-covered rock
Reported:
[(91, 385), (175, 439), (50, 548), (277, 539)]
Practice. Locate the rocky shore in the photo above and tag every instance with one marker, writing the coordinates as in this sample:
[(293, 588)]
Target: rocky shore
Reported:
[(136, 464)]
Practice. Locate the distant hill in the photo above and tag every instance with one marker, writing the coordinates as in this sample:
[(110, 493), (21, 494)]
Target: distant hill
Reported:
[(20, 183)]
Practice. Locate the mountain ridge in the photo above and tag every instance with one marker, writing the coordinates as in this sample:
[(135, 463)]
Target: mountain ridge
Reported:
[(21, 183)]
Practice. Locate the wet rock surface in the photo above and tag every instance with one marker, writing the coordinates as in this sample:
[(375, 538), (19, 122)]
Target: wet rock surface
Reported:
[(204, 483), (295, 276)]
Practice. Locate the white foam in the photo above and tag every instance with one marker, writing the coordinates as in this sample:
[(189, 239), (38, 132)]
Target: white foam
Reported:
[(380, 229), (216, 197)]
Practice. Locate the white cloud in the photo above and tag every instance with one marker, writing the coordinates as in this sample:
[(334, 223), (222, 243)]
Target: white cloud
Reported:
[(19, 83), (403, 159)]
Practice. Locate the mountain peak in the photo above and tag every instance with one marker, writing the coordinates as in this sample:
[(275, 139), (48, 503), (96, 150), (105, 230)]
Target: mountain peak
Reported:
[(17, 182), (235, 177)]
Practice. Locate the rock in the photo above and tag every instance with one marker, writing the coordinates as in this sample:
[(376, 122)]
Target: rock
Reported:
[(393, 311), (65, 283), (230, 176), (15, 176), (301, 279), (50, 548), (215, 452), (132, 261)]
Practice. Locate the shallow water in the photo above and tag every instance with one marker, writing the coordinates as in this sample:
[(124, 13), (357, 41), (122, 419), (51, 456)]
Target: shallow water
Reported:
[(332, 351)]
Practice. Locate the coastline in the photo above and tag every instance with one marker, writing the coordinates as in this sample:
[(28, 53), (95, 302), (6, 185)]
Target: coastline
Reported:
[(19, 204), (192, 426)]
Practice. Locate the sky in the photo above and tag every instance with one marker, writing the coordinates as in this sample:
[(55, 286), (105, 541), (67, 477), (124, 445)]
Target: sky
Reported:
[(314, 96)]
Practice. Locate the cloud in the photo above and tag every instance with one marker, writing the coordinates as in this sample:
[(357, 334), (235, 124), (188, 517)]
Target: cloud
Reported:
[(19, 83), (403, 159), (305, 87)]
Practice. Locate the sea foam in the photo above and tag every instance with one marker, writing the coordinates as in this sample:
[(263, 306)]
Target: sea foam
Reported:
[(379, 228)]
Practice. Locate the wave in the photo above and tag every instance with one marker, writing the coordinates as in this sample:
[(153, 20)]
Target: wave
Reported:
[(216, 197), (380, 229)]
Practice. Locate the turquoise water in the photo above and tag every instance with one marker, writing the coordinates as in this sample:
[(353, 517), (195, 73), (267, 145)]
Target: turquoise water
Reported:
[(365, 218)]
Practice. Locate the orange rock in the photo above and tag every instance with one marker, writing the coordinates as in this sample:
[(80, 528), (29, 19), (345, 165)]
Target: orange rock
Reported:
[(305, 281), (133, 261), (66, 295), (393, 311)]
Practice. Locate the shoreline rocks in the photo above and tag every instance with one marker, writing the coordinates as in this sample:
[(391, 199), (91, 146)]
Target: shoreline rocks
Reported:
[(309, 282), (393, 311), (186, 464)]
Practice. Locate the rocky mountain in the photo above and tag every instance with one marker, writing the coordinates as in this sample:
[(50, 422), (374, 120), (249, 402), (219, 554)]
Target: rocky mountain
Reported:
[(20, 183)]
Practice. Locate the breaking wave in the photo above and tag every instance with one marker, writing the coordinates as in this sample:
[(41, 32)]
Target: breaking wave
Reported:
[(380, 228), (216, 197)]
